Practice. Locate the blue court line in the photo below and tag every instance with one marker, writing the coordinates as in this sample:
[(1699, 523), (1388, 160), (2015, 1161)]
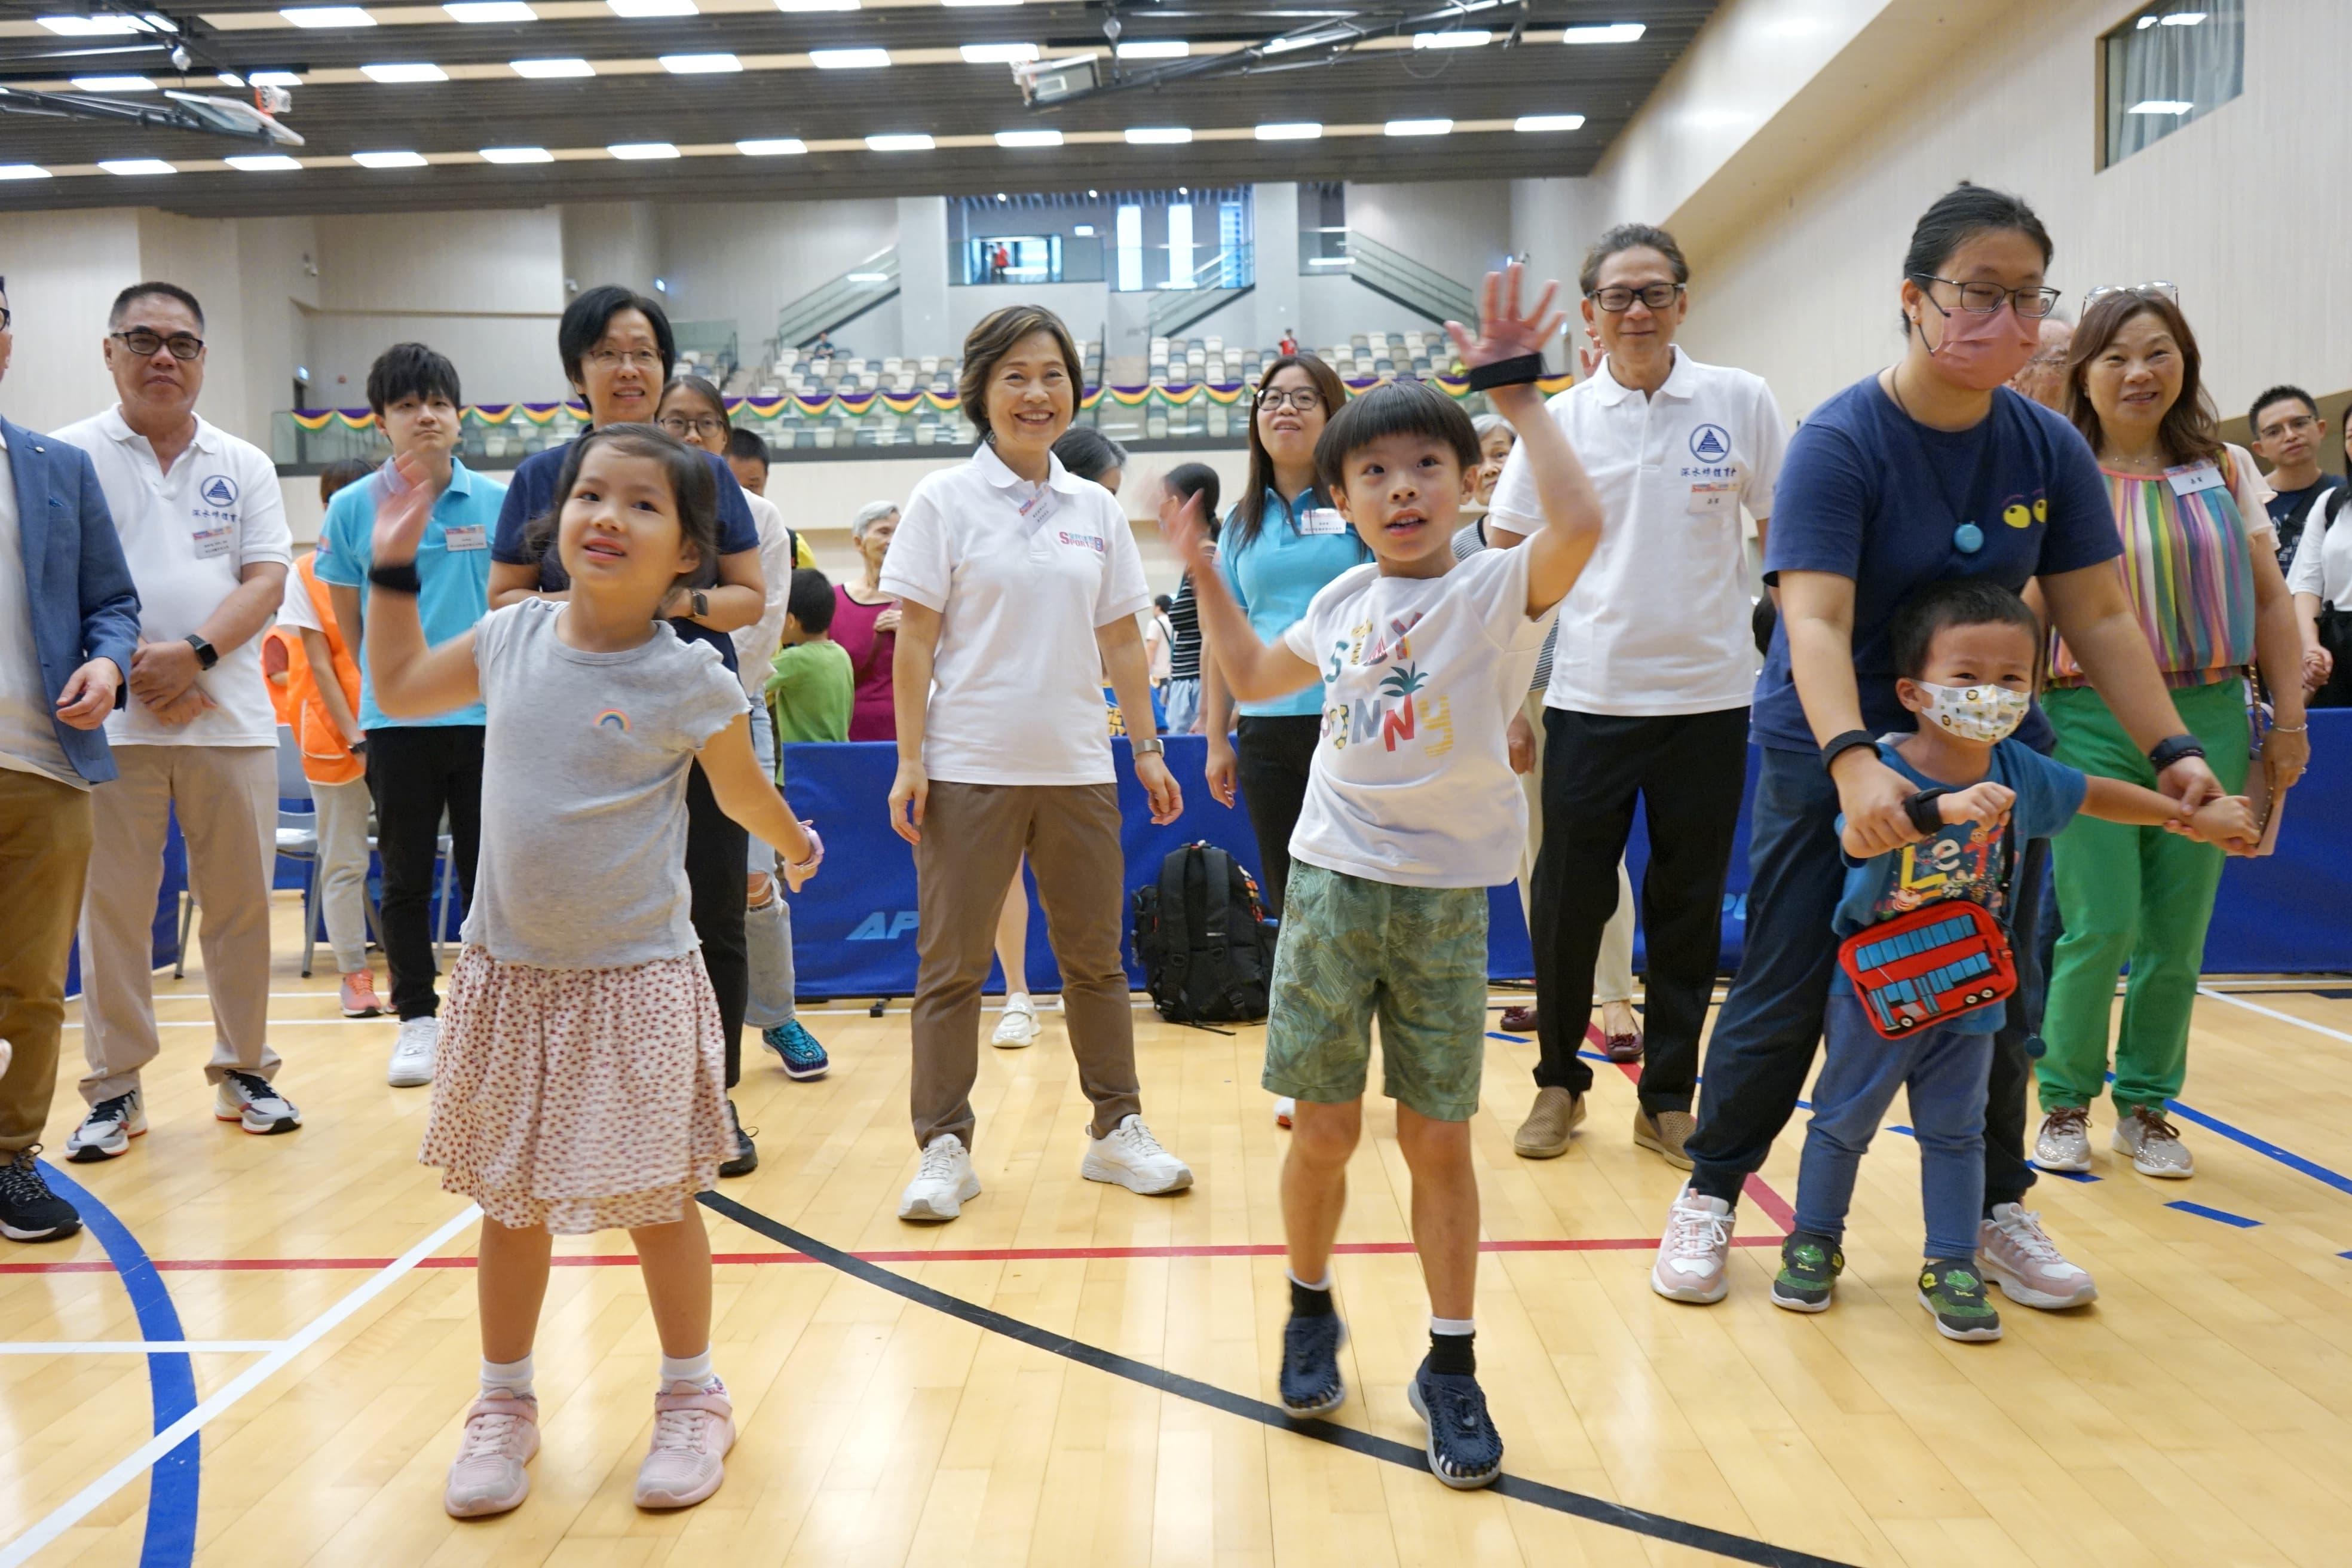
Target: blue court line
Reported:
[(176, 1483), (2265, 1147), (2224, 1215), (2068, 1175)]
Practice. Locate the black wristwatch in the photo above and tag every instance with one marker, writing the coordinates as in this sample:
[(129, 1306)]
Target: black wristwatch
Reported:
[(207, 656), (1926, 815), (699, 602), (1840, 744), (2172, 748)]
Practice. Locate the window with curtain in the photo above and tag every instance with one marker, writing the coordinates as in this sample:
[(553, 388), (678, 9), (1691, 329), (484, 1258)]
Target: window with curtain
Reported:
[(2168, 64)]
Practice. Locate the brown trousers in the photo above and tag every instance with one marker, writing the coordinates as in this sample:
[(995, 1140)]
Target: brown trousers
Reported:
[(44, 850), (227, 797), (973, 838)]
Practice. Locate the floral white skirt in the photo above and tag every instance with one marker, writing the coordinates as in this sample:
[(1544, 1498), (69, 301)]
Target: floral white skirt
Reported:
[(578, 1099)]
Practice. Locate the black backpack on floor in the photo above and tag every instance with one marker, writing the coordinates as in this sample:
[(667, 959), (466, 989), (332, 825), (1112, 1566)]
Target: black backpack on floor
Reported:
[(1206, 947)]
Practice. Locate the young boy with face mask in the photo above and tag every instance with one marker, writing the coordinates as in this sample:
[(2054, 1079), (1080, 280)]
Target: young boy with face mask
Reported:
[(1966, 652)]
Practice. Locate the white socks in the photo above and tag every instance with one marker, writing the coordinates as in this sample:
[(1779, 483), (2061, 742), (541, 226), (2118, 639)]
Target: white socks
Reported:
[(506, 1379), (693, 1369), (1454, 1325)]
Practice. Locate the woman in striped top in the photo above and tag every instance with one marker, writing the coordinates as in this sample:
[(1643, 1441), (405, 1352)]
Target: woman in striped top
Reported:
[(2200, 567), (1180, 484)]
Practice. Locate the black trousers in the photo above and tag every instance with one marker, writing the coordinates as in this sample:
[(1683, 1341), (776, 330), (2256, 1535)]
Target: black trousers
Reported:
[(415, 773), (717, 849), (1688, 771), (1762, 1047), (1272, 756)]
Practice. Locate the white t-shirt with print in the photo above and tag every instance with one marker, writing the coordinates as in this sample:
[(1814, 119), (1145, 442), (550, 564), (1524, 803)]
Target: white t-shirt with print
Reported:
[(188, 536), (1412, 782), (1659, 621), (1020, 575)]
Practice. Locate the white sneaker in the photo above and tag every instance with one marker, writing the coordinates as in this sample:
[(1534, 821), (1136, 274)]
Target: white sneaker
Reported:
[(1285, 1108), (1132, 1158), (2154, 1146), (1018, 1028), (2018, 1255), (2064, 1142), (108, 1129), (412, 1054), (944, 1184), (247, 1099), (1695, 1251)]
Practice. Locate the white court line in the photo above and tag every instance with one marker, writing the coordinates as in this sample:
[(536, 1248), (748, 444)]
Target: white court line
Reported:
[(138, 1347), (2273, 1013), (79, 1507)]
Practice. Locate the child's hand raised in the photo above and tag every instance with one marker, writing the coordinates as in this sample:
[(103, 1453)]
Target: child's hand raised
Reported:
[(1986, 803), (404, 505), (1506, 332), (2228, 822), (1187, 534)]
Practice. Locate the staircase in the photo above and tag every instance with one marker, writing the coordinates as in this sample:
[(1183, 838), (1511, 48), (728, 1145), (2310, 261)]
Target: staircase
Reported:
[(833, 304), (1422, 290), (1214, 284)]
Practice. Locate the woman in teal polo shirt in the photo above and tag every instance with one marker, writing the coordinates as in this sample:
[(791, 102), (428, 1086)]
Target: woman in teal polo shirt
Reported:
[(1283, 541)]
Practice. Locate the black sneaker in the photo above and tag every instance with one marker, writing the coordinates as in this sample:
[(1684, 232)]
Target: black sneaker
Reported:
[(1311, 1384), (746, 1157), (1952, 1290), (1809, 1266), (1465, 1452), (29, 1210)]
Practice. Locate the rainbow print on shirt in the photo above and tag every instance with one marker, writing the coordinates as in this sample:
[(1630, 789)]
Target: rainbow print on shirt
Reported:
[(611, 719)]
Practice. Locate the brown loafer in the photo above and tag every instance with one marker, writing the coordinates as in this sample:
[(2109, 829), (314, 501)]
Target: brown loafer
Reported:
[(1666, 1133), (1544, 1134), (1519, 1020), (1622, 1048)]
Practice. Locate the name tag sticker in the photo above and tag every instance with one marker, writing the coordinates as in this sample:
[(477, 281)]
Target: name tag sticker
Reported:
[(1708, 498), (213, 542), (1037, 509), (473, 537), (2195, 476), (1322, 519)]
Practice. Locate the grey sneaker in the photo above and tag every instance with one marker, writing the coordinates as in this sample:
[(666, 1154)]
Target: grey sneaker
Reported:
[(108, 1130), (247, 1099), (2064, 1142), (2019, 1257), (1695, 1250), (2154, 1146)]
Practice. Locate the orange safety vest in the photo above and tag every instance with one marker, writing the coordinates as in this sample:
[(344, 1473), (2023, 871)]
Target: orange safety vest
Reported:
[(325, 759)]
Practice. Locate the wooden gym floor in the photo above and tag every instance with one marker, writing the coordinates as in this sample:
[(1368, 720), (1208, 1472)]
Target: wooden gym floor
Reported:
[(1072, 1375)]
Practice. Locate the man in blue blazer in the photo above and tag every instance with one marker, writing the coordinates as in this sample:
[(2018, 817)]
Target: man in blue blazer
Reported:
[(69, 621)]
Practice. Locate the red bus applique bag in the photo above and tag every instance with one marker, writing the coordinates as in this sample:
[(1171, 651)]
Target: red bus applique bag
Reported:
[(1934, 963)]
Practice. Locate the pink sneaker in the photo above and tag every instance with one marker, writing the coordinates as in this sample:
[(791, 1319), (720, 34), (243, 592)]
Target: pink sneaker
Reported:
[(488, 1475), (360, 1000), (693, 1429)]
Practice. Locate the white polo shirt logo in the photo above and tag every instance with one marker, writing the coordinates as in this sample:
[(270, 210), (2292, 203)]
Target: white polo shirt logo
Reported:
[(219, 489), (1710, 443)]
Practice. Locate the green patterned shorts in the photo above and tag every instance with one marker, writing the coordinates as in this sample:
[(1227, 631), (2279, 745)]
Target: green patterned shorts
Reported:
[(1416, 956)]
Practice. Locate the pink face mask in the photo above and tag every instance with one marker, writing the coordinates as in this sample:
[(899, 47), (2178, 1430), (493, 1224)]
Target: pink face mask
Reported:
[(1981, 352)]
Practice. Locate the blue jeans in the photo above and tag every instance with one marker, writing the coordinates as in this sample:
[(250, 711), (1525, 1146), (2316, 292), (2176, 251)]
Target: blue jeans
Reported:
[(1944, 1072), (768, 932), (1762, 1045)]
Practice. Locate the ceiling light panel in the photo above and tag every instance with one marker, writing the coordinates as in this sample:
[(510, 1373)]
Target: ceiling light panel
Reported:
[(635, 9), (1290, 130), (1158, 135), (517, 156), (550, 71), (796, 6), (849, 59), (275, 79), (1028, 138), (88, 28), (773, 147), (909, 141), (998, 54), (23, 172), (700, 65), (642, 152), (328, 17), (1457, 39), (136, 166), (1155, 49), (389, 160), (1419, 128), (263, 163), (480, 11), (398, 74), (1603, 33), (1549, 122), (113, 84)]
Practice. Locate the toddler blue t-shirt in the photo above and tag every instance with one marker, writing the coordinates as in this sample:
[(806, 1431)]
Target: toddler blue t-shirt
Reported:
[(1964, 859)]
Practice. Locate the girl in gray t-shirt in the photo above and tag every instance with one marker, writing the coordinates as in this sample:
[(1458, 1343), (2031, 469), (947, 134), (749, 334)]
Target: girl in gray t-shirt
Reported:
[(578, 1084)]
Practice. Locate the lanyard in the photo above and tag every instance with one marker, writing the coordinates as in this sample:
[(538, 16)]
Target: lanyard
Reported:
[(1967, 537)]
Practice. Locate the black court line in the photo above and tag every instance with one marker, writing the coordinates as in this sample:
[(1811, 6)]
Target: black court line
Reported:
[(1559, 1500)]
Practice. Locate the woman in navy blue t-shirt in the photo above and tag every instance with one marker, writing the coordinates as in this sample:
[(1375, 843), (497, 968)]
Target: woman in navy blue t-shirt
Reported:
[(1929, 470)]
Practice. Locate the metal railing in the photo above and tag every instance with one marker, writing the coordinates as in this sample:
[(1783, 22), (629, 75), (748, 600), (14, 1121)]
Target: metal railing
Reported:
[(1389, 273), (713, 344), (839, 300), (1215, 283)]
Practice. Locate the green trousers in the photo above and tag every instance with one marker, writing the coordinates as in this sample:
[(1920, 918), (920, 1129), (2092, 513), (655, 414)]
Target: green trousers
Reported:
[(2129, 895)]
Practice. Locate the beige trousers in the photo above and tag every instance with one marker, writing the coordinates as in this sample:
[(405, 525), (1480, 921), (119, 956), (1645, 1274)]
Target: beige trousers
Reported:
[(43, 849), (227, 797), (1612, 973), (973, 838)]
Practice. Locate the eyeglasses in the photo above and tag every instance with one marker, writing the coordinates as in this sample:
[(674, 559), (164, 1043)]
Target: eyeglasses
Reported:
[(1305, 399), (5, 316), (1984, 298), (144, 343), (681, 427), (2159, 290), (617, 359), (2298, 424), (1616, 301)]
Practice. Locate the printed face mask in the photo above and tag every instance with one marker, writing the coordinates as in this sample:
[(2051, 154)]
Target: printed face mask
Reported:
[(1981, 352), (1981, 713)]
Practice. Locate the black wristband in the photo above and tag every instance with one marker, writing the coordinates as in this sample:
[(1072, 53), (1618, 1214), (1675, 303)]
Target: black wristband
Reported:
[(1925, 813), (1837, 745), (400, 579), (2172, 748), (1518, 372)]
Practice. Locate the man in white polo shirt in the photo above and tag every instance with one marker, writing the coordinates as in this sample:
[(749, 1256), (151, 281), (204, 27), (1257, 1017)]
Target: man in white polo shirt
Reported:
[(1651, 681), (203, 529)]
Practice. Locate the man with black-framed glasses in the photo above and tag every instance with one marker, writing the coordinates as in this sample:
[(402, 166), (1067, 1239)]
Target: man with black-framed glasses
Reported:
[(2289, 435), (203, 529)]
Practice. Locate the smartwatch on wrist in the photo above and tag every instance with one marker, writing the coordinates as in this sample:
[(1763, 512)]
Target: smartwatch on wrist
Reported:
[(1840, 744), (2172, 748), (699, 602), (206, 654), (1926, 815), (1147, 746)]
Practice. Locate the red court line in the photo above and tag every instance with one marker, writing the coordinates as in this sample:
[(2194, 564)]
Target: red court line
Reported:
[(1757, 1190)]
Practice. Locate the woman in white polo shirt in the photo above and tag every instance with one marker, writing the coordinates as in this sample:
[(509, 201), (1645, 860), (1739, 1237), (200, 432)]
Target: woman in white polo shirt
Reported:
[(1019, 585), (1651, 683)]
